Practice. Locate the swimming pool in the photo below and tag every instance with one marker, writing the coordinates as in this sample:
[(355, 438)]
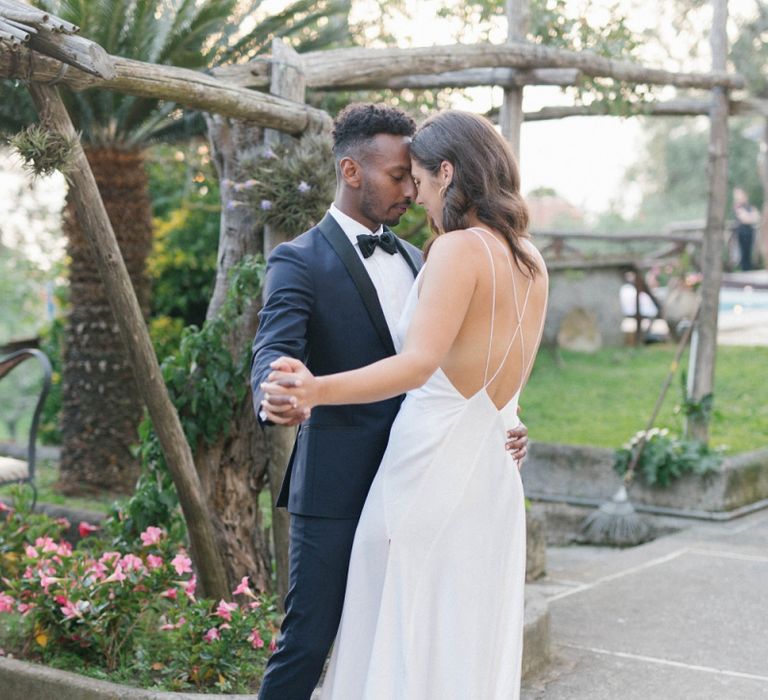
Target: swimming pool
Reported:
[(744, 298)]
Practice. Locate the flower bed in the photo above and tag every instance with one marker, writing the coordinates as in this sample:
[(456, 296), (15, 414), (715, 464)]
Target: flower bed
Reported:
[(125, 613)]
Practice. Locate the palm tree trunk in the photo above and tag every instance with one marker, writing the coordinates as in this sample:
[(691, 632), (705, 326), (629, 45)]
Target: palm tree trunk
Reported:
[(101, 405)]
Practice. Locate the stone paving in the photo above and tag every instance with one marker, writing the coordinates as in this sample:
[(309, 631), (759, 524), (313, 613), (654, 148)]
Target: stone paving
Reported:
[(684, 617)]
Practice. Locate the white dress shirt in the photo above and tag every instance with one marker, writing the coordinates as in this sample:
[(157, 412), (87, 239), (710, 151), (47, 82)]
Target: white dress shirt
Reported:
[(391, 275)]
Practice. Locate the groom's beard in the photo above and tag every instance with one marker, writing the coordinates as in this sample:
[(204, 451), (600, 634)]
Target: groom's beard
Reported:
[(372, 209)]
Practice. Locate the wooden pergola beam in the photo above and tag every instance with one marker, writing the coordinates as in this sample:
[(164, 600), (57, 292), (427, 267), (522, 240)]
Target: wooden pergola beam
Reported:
[(186, 87), (678, 107), (371, 68), (428, 67), (255, 74)]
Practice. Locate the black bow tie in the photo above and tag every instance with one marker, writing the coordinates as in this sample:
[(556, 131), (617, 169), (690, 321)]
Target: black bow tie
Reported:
[(368, 243)]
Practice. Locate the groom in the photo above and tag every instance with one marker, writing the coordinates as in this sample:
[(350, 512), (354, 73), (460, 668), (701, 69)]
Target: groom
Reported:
[(333, 297)]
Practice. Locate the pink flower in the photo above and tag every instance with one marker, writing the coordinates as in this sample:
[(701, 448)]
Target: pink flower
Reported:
[(190, 586), (169, 626), (154, 562), (132, 563), (64, 523), (30, 551), (84, 529), (170, 594), (6, 603), (71, 610), (152, 535), (254, 604), (225, 610), (47, 544), (46, 581), (182, 563), (243, 588), (211, 634), (64, 549), (255, 639), (24, 608), (108, 557), (116, 575), (3, 507), (97, 570), (273, 644)]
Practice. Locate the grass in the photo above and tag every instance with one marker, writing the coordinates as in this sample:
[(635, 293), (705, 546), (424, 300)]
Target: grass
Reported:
[(597, 399), (47, 475), (603, 398)]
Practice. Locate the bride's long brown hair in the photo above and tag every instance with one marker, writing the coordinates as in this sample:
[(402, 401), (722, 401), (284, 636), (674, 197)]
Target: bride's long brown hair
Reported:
[(486, 179)]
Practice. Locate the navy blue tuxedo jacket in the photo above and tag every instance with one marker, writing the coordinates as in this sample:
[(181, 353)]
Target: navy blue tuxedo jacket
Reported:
[(322, 308)]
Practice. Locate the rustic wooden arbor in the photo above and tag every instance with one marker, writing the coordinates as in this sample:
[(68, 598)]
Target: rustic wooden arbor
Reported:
[(45, 52)]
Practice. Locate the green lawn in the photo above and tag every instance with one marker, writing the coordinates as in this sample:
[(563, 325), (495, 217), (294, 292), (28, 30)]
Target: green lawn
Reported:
[(604, 398), (601, 399), (46, 477)]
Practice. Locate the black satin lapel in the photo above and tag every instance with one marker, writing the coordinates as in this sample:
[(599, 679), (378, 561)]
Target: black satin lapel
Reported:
[(412, 262), (346, 251)]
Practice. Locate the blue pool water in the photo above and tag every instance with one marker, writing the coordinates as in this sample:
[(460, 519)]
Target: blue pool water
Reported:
[(745, 298)]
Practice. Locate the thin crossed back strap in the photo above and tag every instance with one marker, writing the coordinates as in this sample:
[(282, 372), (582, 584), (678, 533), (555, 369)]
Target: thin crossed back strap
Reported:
[(518, 328)]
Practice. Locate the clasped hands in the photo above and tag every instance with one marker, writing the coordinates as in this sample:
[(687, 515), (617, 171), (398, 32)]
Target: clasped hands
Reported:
[(291, 391)]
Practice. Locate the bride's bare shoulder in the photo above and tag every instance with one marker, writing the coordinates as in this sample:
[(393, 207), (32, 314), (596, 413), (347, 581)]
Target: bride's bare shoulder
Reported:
[(454, 244), (533, 251)]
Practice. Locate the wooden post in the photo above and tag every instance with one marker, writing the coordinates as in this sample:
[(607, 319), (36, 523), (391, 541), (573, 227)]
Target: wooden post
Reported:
[(125, 307), (511, 116), (287, 82), (702, 369), (762, 239)]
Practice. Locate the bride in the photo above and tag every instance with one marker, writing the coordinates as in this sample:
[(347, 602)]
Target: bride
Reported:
[(434, 601)]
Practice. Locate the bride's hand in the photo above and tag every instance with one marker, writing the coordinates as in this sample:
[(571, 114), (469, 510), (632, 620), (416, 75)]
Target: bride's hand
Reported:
[(291, 379)]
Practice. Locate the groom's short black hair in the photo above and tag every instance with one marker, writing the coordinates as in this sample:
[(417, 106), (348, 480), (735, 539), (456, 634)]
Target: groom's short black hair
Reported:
[(357, 124)]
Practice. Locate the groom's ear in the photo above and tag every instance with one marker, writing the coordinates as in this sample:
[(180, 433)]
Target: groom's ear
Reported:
[(350, 171)]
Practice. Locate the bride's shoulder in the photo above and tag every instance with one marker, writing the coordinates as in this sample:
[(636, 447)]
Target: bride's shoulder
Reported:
[(458, 242), (535, 253)]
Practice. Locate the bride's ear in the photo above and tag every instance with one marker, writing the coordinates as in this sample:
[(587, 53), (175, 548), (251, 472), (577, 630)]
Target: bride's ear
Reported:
[(446, 173)]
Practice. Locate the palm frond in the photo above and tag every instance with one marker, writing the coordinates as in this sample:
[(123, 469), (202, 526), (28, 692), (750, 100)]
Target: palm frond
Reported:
[(192, 29), (300, 15), (190, 33)]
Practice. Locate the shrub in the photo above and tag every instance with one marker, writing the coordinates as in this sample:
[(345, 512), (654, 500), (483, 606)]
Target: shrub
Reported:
[(666, 458), (131, 612)]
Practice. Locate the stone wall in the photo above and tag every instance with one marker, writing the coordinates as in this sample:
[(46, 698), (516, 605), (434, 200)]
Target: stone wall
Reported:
[(581, 474), (591, 286)]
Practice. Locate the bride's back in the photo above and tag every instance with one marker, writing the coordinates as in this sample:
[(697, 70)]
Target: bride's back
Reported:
[(501, 331)]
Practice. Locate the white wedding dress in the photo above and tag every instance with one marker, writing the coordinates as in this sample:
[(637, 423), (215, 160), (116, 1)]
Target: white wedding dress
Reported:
[(434, 600)]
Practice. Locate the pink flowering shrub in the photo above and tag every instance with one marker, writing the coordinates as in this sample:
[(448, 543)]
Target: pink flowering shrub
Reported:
[(110, 609)]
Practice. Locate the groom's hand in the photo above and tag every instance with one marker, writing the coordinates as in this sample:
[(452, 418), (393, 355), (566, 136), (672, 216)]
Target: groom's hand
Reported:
[(517, 441), (279, 410)]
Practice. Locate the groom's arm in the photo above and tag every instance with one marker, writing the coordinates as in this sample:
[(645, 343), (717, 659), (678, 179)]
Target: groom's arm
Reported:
[(283, 320)]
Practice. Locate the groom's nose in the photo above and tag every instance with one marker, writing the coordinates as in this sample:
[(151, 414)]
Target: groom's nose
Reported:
[(409, 188)]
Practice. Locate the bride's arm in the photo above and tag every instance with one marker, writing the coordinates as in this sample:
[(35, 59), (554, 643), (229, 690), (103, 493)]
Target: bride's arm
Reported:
[(447, 288)]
